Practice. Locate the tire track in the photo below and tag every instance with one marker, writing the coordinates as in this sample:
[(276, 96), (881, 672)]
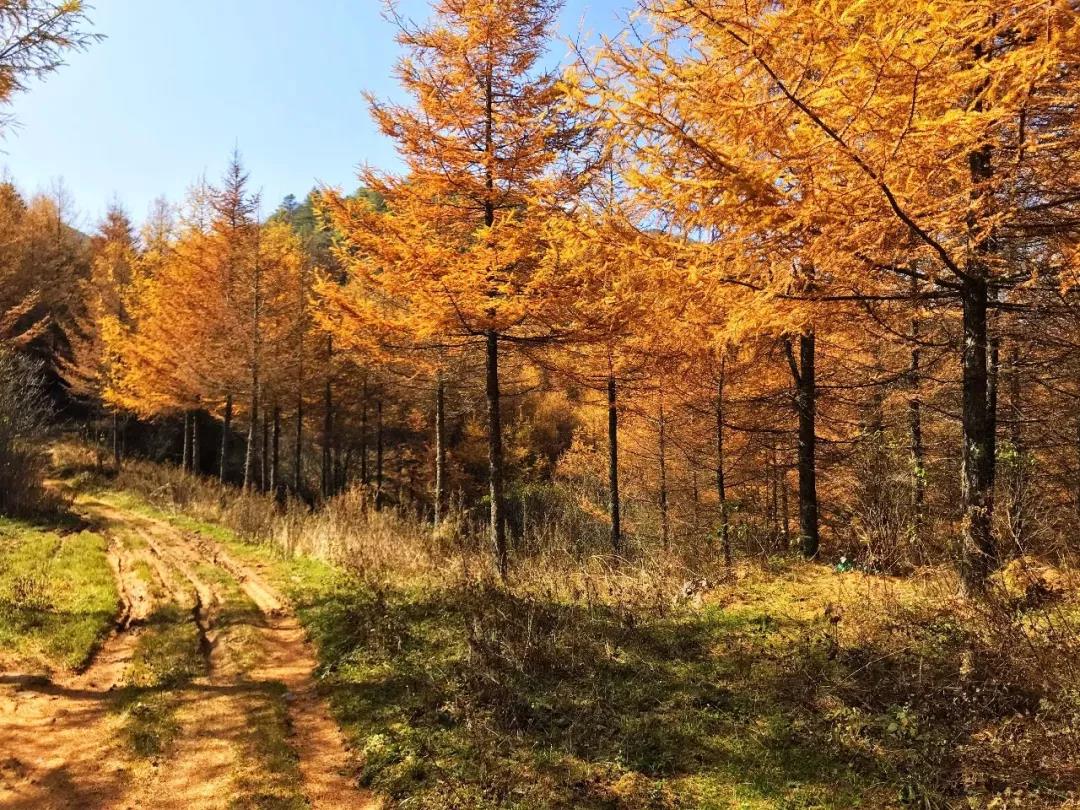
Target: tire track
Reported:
[(58, 734), (325, 762)]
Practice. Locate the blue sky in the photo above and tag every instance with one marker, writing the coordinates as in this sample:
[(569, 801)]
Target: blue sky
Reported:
[(176, 85)]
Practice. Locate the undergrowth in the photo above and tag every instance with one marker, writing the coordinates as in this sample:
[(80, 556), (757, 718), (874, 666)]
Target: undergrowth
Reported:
[(664, 681)]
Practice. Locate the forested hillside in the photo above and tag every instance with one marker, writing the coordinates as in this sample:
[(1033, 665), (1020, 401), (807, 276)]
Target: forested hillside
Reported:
[(693, 421)]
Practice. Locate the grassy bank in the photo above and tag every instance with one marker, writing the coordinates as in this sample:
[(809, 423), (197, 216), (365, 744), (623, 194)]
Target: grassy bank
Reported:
[(782, 684)]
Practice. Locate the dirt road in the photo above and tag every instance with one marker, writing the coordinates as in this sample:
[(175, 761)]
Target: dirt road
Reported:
[(201, 697)]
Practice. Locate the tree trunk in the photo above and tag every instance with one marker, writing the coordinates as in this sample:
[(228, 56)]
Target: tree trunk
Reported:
[(378, 455), (779, 541), (495, 455), (226, 428), (721, 487), (993, 376), (804, 374), (298, 448), (782, 487), (1016, 405), (613, 464), (440, 449), (196, 450), (365, 479), (116, 439), (1016, 438), (665, 525), (252, 436), (328, 421), (918, 458), (276, 485), (185, 462), (977, 555)]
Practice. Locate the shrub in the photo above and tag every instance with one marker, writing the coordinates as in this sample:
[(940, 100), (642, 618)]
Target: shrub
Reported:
[(24, 422)]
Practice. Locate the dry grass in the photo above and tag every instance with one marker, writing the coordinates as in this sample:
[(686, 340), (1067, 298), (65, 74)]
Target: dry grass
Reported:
[(663, 679)]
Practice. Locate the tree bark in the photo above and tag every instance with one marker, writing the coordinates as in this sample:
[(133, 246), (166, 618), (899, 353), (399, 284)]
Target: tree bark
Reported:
[(252, 442), (440, 449), (918, 458), (196, 450), (721, 486), (665, 525), (185, 459), (298, 447), (495, 455), (804, 373), (365, 478), (977, 554), (782, 488), (116, 439), (613, 464), (378, 454), (276, 485), (264, 453), (226, 427), (328, 421)]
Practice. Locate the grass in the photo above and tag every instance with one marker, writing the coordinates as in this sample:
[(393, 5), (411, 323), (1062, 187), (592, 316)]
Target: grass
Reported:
[(58, 597), (269, 776), (466, 696), (787, 685), (150, 724)]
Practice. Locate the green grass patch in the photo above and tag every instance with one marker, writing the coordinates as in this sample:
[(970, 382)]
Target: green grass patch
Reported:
[(58, 597), (167, 653), (167, 657), (150, 724), (269, 775)]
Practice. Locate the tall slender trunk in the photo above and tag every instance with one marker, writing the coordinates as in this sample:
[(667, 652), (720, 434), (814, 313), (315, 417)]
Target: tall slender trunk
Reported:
[(977, 554), (116, 438), (804, 373), (721, 487), (918, 458), (328, 421), (264, 447), (613, 464), (782, 487), (250, 458), (196, 449), (378, 454), (665, 525), (1077, 473), (226, 429), (1016, 405), (440, 448), (495, 448), (253, 433), (992, 388), (301, 319), (298, 447), (779, 540), (1016, 438), (252, 442), (495, 454), (365, 479), (185, 456), (276, 484)]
